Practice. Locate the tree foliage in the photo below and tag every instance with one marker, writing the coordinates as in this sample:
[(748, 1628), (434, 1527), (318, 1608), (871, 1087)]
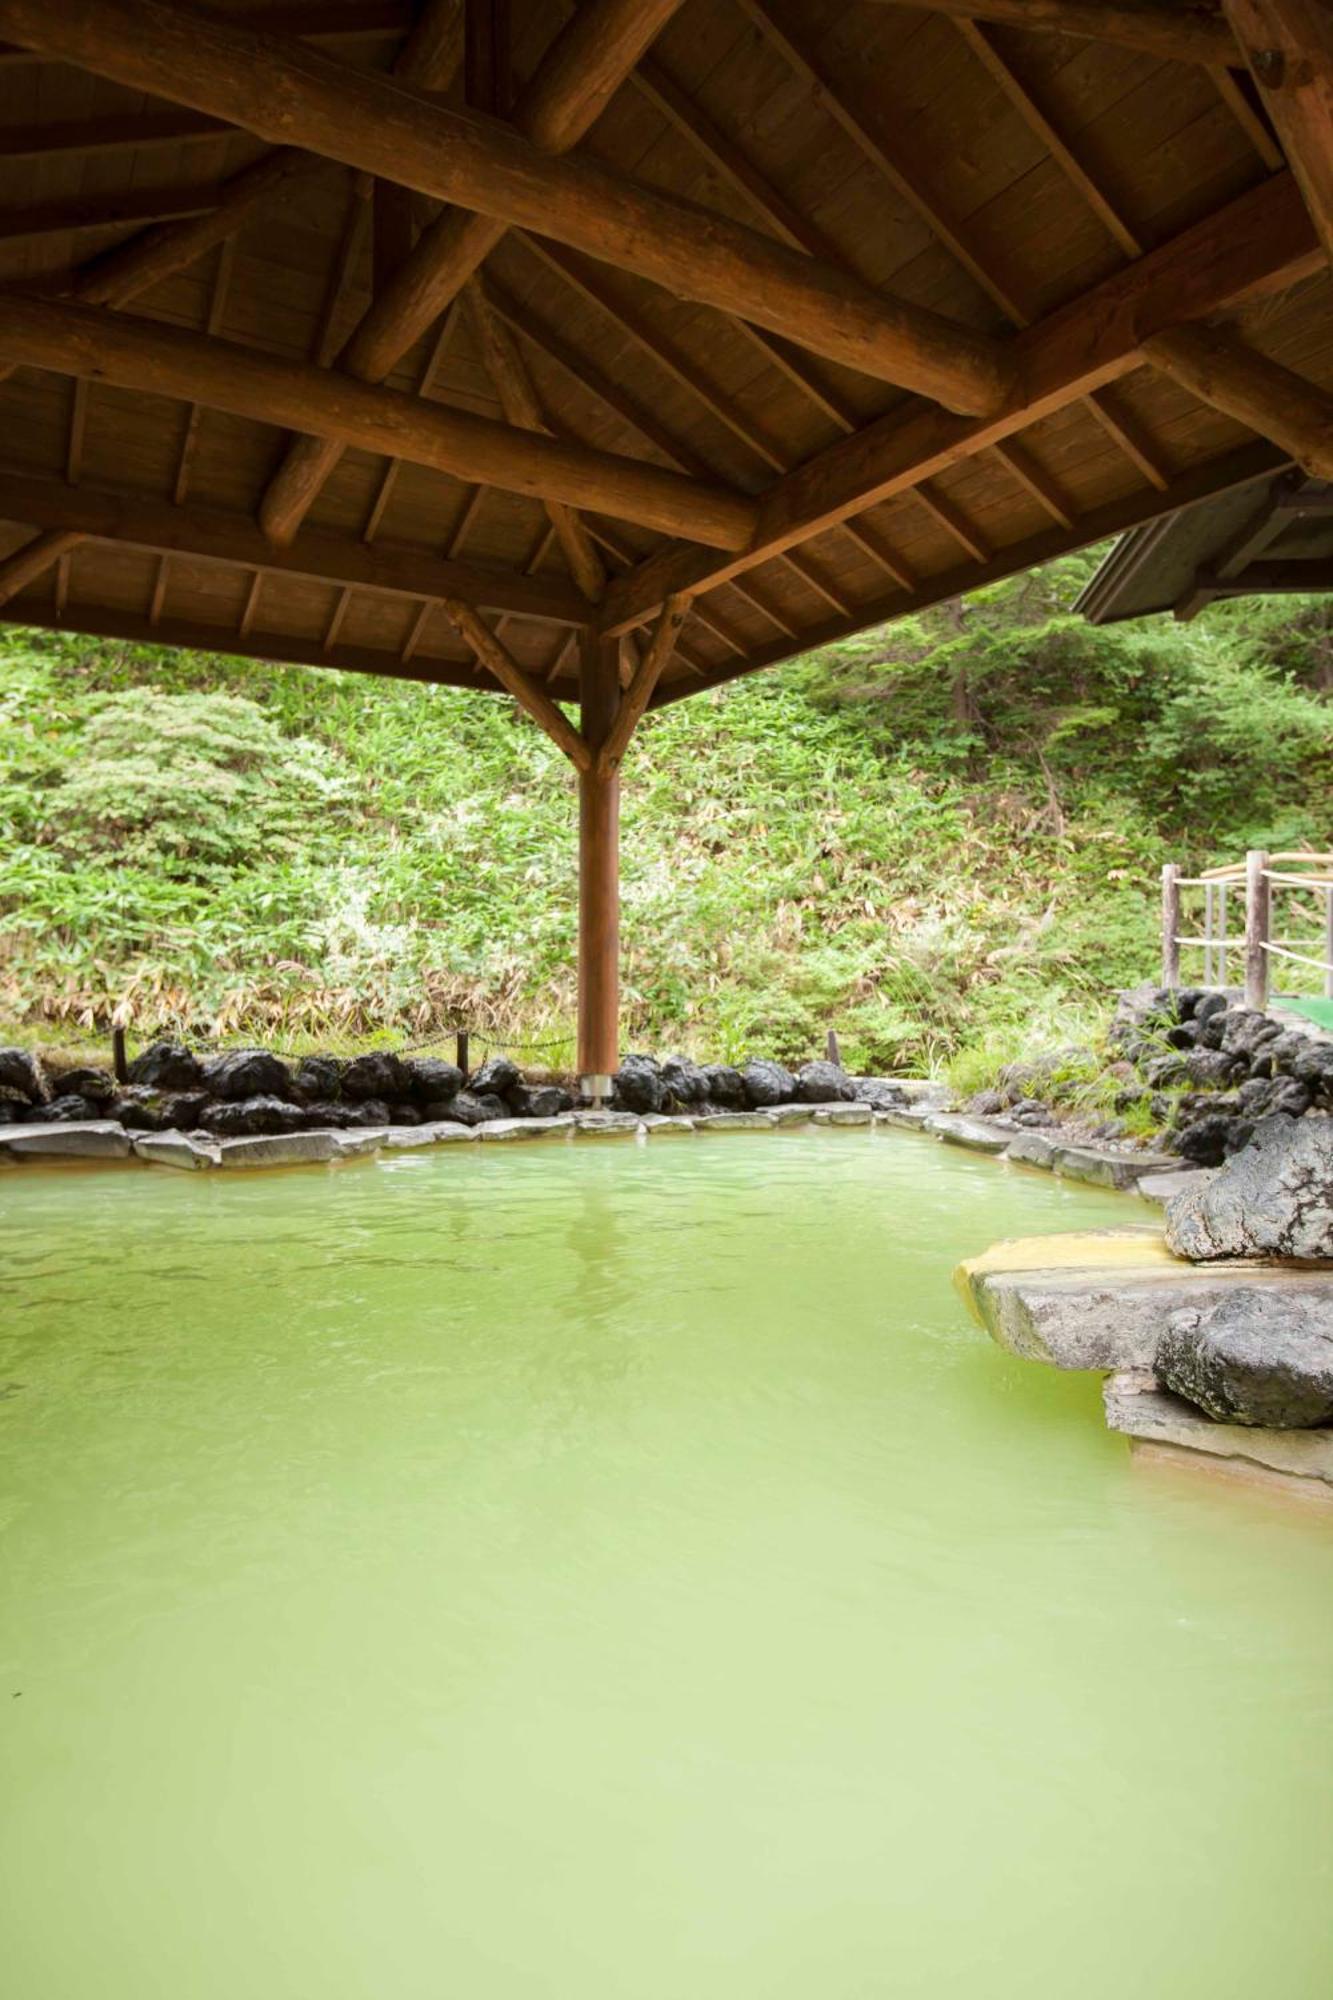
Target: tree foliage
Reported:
[(924, 837)]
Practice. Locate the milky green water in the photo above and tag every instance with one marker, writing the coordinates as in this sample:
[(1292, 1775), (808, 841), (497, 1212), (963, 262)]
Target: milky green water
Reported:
[(622, 1573)]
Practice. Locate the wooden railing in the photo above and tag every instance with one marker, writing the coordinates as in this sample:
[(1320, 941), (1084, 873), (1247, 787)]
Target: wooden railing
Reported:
[(1255, 879)]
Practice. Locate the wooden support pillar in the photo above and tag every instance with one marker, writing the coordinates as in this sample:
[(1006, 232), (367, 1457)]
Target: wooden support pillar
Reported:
[(599, 871)]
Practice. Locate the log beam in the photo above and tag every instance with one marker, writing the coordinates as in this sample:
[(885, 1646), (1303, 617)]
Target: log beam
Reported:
[(643, 684), (1201, 482), (35, 557), (1231, 376), (124, 210), (253, 643), (1255, 246), (162, 360), (138, 520), (570, 87), (117, 276), (522, 408), (290, 94), (501, 664), (599, 870), (1288, 45), (1190, 31)]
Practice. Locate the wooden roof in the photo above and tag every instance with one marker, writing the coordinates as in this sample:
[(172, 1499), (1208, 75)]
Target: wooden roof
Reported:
[(1269, 538), (905, 322)]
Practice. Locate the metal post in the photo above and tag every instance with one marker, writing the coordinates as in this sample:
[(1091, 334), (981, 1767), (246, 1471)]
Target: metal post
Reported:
[(1171, 925), (1258, 902)]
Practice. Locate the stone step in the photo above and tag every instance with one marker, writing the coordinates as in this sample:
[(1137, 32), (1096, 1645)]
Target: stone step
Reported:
[(1141, 1410), (1102, 1298)]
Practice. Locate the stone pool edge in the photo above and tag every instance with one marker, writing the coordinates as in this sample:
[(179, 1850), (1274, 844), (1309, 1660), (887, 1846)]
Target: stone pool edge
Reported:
[(106, 1141)]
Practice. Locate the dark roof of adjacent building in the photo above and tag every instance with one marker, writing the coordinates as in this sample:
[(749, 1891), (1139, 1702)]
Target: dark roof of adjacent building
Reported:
[(1267, 537)]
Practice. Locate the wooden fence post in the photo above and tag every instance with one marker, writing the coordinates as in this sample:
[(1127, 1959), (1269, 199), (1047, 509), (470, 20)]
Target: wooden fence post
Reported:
[(1258, 901), (1171, 925)]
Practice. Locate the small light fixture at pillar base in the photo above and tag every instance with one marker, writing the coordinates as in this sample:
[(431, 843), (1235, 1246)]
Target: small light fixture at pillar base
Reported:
[(596, 1090)]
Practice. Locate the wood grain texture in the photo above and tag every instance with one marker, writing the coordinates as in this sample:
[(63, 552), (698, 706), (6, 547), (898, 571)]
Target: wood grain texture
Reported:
[(98, 346), (1288, 45), (289, 94)]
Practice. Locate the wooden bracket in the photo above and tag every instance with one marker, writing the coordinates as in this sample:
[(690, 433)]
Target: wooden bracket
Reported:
[(500, 662), (635, 699)]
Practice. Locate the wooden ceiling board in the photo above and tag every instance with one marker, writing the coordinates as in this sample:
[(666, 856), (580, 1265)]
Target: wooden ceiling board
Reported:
[(621, 365)]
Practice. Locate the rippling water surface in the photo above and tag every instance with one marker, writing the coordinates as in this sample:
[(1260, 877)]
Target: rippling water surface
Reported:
[(621, 1573)]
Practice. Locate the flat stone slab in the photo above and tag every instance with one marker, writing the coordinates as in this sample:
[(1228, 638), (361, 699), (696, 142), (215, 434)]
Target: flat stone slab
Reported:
[(735, 1121), (1106, 1168), (279, 1149), (912, 1118), (1032, 1149), (526, 1128), (84, 1139), (407, 1138), (175, 1149), (662, 1124), (1102, 1298), (607, 1124), (973, 1133), (1165, 1187), (844, 1114), (448, 1132), (355, 1141), (1138, 1408), (790, 1114)]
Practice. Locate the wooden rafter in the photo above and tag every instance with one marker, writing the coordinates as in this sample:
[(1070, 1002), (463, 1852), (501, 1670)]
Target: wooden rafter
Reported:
[(1252, 122), (137, 354), (189, 441), (650, 339), (282, 91), (1212, 476), (661, 89), (121, 210), (1288, 45), (983, 46), (1191, 31), (1261, 243), (522, 407), (572, 83), (216, 535), (33, 559), (252, 639), (865, 124), (117, 276)]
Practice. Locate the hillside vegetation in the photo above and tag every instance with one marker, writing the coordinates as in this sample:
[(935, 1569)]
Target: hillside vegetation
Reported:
[(940, 838)]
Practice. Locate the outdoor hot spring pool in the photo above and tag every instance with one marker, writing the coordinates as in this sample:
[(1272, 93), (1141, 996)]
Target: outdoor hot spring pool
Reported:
[(607, 1572)]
